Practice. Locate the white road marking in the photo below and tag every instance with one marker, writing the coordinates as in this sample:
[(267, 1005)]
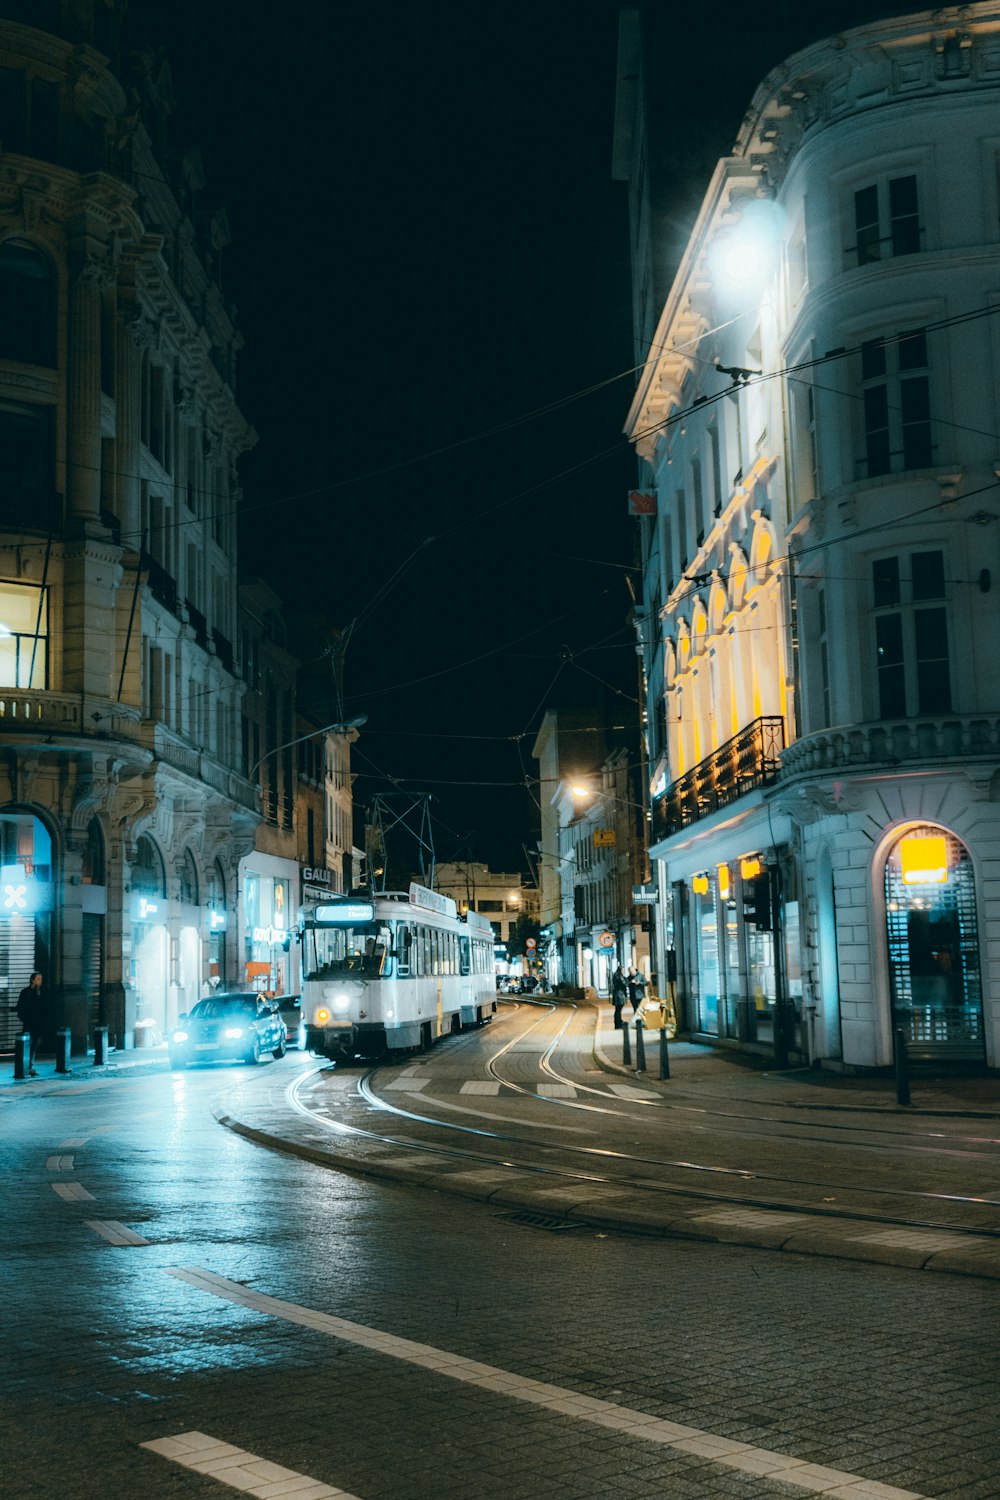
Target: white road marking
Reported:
[(633, 1091), (115, 1233), (74, 1140), (555, 1090), (240, 1469), (480, 1086), (835, 1484), (406, 1085), (73, 1192), (59, 1164)]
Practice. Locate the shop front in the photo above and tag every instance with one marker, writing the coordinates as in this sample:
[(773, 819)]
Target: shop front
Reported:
[(269, 896), (26, 911)]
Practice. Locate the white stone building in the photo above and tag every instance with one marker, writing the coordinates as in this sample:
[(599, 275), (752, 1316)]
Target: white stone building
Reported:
[(817, 424), (123, 808)]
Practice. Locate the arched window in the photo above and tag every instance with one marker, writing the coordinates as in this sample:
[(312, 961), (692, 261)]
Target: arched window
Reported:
[(27, 304), (187, 876), (147, 868), (93, 855), (217, 888)]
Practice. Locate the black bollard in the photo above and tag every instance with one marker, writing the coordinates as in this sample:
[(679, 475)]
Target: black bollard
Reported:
[(63, 1039), (640, 1049), (100, 1046), (902, 1068), (22, 1055), (664, 1056), (626, 1046)]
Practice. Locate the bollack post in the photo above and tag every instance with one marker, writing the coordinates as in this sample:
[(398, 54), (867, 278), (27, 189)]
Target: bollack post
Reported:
[(626, 1046), (902, 1060), (63, 1039), (22, 1054), (100, 1046), (640, 1049), (664, 1055)]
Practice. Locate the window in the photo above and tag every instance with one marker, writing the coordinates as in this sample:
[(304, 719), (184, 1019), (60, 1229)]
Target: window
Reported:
[(895, 394), (26, 451), (886, 220), (23, 636), (911, 635), (802, 406), (824, 658), (27, 305)]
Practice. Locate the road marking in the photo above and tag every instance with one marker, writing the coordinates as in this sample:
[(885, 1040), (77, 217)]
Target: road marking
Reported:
[(480, 1086), (633, 1091), (73, 1192), (59, 1164), (115, 1233), (835, 1484), (74, 1140), (556, 1090), (240, 1469), (406, 1085)]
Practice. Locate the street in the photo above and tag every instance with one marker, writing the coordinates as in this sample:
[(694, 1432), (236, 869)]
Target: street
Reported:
[(324, 1331)]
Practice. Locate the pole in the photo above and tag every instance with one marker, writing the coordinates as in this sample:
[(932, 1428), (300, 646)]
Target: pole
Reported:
[(640, 1049), (664, 1056), (902, 1061), (626, 1046)]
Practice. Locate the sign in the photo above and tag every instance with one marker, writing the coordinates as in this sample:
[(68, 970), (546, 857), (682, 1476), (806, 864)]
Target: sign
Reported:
[(420, 895), (924, 860), (344, 913), (530, 943), (316, 875), (605, 838), (644, 895), (641, 504), (606, 940)]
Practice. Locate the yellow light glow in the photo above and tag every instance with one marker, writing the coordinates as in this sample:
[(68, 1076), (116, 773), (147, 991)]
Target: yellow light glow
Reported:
[(723, 872), (700, 885), (749, 868), (924, 860)]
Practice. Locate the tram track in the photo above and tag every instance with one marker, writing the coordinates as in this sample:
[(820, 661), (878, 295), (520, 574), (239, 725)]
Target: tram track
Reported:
[(652, 1176)]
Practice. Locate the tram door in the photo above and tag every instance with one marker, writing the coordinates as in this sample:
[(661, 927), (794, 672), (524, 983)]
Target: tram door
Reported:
[(934, 946)]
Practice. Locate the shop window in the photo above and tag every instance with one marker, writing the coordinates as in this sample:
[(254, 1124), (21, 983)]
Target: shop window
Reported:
[(886, 220), (911, 635), (27, 304), (896, 405)]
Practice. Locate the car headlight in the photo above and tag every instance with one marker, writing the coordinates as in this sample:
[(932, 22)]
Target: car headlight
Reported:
[(179, 1036), (322, 1015), (233, 1031)]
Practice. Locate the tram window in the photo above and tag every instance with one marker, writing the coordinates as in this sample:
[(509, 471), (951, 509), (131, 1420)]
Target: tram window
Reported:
[(425, 950), (463, 950), (404, 948)]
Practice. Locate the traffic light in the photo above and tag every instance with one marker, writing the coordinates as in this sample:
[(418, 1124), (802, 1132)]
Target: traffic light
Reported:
[(757, 906)]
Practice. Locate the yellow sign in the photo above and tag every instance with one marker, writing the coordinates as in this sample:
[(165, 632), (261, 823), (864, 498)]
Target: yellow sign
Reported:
[(700, 885), (723, 875), (605, 838), (751, 867), (924, 860)]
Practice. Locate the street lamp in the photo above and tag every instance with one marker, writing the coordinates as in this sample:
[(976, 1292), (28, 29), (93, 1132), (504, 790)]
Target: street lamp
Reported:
[(341, 726)]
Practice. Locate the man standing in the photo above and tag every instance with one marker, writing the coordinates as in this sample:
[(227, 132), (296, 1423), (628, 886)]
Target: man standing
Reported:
[(619, 994), (33, 1013)]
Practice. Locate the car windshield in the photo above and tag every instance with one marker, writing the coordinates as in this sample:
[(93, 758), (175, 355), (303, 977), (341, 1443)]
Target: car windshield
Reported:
[(218, 1006)]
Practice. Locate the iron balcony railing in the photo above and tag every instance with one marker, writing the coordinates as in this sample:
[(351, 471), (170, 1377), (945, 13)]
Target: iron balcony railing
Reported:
[(750, 759)]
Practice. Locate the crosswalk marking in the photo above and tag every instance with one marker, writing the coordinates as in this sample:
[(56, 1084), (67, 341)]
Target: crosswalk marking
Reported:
[(239, 1469), (59, 1164), (115, 1233), (73, 1192), (556, 1090), (837, 1484), (480, 1086)]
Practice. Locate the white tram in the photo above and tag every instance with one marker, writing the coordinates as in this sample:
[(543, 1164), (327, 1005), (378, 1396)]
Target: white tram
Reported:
[(392, 972)]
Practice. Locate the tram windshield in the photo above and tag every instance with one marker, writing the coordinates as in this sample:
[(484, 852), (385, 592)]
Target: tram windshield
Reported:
[(329, 951)]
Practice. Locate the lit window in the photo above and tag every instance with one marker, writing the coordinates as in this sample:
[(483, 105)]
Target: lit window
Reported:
[(24, 624)]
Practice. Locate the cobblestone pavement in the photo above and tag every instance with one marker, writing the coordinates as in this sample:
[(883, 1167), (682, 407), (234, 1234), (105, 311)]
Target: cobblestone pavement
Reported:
[(166, 1278)]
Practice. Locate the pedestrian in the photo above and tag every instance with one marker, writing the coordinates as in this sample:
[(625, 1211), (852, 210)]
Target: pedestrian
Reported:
[(619, 994), (33, 1013), (636, 990)]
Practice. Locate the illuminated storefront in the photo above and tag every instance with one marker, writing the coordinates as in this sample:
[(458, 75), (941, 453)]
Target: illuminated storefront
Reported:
[(149, 960), (266, 919), (26, 910)]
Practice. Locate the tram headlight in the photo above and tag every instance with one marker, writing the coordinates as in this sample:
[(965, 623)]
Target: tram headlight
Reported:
[(341, 1002), (322, 1015)]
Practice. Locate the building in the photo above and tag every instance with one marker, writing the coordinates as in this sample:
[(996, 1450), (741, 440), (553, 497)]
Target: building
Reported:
[(123, 813), (817, 433)]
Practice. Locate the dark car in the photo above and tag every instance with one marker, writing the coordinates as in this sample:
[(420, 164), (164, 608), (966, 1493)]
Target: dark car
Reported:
[(228, 1028), (290, 1009)]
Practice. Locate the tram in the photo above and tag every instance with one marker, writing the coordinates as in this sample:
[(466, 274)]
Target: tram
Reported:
[(392, 972)]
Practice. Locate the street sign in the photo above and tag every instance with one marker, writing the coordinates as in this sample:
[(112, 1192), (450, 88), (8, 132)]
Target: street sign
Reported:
[(530, 943), (606, 940), (644, 895), (605, 838)]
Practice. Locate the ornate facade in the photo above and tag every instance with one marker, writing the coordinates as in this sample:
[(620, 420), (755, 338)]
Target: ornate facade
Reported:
[(122, 812), (817, 429)]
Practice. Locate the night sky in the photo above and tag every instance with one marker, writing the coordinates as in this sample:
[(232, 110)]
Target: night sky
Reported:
[(430, 270)]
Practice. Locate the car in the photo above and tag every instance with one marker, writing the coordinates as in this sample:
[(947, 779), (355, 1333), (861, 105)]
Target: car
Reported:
[(290, 1010), (228, 1028)]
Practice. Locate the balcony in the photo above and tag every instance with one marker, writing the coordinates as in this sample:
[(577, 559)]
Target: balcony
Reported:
[(894, 742), (750, 759)]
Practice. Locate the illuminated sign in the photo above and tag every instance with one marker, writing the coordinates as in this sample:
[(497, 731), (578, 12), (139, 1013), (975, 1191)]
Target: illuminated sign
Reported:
[(15, 897), (924, 860), (605, 838), (269, 935), (217, 921), (750, 867), (345, 913), (723, 874), (700, 885), (144, 908)]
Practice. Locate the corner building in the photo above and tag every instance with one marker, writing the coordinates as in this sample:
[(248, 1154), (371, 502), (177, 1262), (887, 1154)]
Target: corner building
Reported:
[(122, 818), (817, 429)]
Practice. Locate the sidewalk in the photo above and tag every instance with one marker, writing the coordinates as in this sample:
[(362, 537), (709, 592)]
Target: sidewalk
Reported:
[(746, 1076), (83, 1066)]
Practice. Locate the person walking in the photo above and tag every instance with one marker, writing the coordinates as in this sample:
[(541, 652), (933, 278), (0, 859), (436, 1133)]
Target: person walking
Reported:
[(619, 994), (636, 991), (33, 1013)]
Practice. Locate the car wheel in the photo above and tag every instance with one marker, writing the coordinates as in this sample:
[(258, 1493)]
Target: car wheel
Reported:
[(253, 1055), (279, 1051)]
